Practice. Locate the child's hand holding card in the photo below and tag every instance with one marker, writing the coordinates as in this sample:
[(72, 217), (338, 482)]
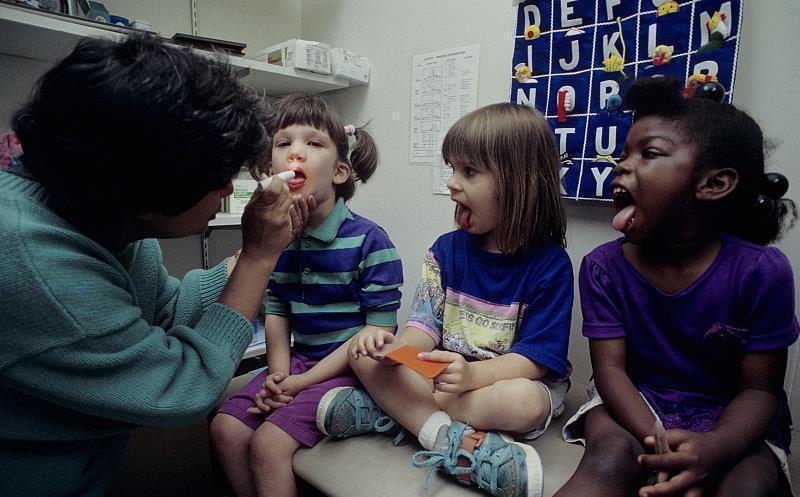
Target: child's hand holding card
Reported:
[(407, 356)]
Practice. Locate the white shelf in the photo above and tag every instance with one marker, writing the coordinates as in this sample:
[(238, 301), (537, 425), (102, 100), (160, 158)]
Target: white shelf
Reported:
[(255, 350), (225, 219), (276, 80), (39, 35)]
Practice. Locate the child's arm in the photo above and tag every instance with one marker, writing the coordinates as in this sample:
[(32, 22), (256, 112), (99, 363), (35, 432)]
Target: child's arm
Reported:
[(278, 360), (336, 362), (699, 457), (620, 396), (462, 376), (370, 341), (331, 365), (278, 339)]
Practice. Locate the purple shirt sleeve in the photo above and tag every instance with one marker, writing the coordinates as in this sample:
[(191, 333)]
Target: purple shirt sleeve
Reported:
[(601, 312)]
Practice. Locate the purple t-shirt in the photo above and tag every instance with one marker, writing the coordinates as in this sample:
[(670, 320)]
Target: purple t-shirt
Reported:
[(683, 350)]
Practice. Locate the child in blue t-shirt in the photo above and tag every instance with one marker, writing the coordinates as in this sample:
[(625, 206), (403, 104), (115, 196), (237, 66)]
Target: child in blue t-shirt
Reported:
[(340, 276), (689, 315), (493, 305)]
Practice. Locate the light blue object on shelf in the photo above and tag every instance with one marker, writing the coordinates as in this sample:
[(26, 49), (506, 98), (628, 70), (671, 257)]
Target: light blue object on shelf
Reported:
[(95, 11)]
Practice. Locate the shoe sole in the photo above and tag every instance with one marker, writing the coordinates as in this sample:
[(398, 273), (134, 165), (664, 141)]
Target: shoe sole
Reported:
[(535, 478), (324, 403)]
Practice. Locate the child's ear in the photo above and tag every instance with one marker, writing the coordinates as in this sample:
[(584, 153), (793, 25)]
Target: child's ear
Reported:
[(341, 172), (716, 183)]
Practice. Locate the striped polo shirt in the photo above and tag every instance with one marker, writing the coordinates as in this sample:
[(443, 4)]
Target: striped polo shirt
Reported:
[(334, 280)]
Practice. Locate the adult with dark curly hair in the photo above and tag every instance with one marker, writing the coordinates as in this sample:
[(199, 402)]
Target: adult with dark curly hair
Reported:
[(124, 142)]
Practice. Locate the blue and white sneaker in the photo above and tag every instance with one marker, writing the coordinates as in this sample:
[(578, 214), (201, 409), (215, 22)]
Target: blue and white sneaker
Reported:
[(346, 412), (487, 460)]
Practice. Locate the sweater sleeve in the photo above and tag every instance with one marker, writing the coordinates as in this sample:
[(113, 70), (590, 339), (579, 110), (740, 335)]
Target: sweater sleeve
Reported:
[(128, 344)]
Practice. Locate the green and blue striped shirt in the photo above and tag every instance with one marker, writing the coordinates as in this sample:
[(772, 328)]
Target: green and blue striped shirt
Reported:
[(334, 280)]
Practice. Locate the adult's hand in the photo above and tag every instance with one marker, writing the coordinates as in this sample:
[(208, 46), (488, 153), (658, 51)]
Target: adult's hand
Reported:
[(266, 221), (266, 231)]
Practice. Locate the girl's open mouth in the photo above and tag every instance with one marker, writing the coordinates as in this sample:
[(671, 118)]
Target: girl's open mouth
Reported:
[(298, 181), (626, 209), (463, 216)]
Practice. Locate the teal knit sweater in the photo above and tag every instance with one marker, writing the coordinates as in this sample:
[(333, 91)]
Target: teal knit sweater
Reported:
[(94, 344)]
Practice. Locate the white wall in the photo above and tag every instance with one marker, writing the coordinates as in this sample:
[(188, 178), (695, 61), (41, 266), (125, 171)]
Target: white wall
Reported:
[(399, 197), (766, 86)]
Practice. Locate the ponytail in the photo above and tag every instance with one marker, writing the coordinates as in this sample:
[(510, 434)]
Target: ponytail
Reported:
[(363, 162), (765, 216)]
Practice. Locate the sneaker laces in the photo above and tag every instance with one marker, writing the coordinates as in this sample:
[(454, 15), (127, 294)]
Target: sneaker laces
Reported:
[(446, 460), (378, 424), (385, 423)]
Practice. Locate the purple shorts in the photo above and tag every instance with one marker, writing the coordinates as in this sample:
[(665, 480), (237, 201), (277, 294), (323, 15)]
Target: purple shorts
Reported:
[(299, 417)]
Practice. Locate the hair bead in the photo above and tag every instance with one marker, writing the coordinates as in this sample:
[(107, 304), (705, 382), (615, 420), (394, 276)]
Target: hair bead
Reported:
[(764, 205), (775, 185)]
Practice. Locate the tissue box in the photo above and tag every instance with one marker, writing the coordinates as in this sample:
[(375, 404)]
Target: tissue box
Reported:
[(307, 55), (242, 191), (347, 65)]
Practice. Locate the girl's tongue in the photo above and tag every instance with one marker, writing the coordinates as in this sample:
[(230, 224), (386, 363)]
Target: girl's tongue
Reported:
[(624, 218), (464, 216), (297, 182)]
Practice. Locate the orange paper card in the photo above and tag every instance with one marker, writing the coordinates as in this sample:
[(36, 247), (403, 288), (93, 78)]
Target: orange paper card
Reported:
[(407, 356)]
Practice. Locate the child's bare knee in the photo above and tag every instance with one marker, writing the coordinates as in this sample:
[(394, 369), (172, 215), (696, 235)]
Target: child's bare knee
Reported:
[(530, 399), (264, 455), (613, 454), (223, 430)]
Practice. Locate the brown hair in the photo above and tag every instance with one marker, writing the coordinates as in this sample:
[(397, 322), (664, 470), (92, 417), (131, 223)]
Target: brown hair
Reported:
[(516, 144), (317, 111)]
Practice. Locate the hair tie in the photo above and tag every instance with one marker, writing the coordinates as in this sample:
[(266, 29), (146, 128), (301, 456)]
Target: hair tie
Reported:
[(350, 130), (764, 205), (775, 185)]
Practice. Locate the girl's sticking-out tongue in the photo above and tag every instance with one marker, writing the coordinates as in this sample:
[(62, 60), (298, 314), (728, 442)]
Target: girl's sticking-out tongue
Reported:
[(464, 215), (624, 218)]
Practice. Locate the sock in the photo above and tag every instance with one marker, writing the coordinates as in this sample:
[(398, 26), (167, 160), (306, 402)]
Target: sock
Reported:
[(441, 443), (430, 428)]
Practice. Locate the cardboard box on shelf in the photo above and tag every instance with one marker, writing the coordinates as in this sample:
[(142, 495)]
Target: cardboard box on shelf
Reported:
[(242, 191), (350, 66), (307, 55)]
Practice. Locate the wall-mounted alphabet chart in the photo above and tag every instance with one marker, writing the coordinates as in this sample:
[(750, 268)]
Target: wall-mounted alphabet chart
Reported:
[(573, 59)]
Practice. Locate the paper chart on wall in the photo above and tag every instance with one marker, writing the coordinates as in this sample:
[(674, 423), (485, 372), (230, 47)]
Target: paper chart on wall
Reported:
[(444, 87), (441, 173)]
